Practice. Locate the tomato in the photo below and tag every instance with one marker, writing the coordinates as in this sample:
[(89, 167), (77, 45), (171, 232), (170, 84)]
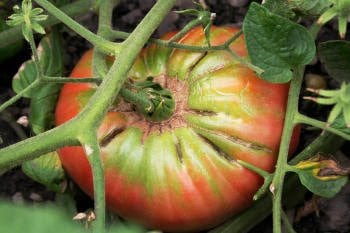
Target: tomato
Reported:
[(181, 174)]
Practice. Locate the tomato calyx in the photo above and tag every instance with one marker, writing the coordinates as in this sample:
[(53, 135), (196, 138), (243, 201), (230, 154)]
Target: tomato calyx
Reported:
[(154, 105), (153, 101)]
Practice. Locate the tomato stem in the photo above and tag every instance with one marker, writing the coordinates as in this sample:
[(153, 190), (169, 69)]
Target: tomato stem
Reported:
[(92, 151), (301, 118), (99, 42), (277, 183)]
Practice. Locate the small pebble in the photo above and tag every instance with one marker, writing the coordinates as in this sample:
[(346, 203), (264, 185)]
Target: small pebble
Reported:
[(18, 197), (315, 81), (36, 197), (238, 3)]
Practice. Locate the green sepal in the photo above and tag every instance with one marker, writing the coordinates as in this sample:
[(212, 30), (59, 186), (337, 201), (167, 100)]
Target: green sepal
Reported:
[(28, 18), (46, 170), (162, 100)]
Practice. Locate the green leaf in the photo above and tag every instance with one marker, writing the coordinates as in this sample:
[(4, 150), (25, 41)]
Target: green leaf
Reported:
[(310, 7), (276, 44), (35, 219), (44, 97), (47, 170), (340, 124), (335, 55), (309, 172), (319, 187), (280, 7)]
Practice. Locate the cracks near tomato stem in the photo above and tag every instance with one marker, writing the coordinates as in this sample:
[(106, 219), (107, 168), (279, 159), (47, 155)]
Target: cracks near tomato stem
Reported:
[(179, 153), (236, 140), (110, 136), (179, 89), (221, 153)]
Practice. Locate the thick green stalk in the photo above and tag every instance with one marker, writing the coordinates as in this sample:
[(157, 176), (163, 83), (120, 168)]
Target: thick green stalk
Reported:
[(93, 153), (13, 35), (117, 74), (100, 43), (277, 183), (90, 143), (40, 144), (302, 119), (105, 14)]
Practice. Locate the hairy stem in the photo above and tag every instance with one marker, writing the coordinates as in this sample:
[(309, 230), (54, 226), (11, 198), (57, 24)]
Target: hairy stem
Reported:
[(277, 183), (92, 150), (100, 43), (300, 118), (117, 74), (19, 95), (39, 145)]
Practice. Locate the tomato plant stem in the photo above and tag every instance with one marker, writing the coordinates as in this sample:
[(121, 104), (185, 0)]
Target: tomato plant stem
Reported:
[(277, 183), (92, 150), (105, 14), (39, 145), (300, 118), (97, 41), (19, 95), (117, 74)]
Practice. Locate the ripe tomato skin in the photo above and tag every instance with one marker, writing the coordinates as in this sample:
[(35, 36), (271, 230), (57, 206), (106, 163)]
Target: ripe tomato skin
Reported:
[(186, 178)]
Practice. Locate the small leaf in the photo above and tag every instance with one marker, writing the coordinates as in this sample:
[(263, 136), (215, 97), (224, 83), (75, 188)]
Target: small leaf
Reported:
[(24, 77), (46, 170), (310, 175), (38, 28), (26, 32), (276, 44), (335, 55)]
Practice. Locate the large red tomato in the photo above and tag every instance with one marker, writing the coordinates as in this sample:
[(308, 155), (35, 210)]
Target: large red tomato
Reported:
[(181, 174)]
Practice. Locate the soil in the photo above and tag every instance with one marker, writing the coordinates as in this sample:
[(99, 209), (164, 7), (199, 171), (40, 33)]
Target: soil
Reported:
[(315, 215)]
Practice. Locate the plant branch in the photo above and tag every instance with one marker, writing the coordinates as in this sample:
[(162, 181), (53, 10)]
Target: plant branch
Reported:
[(301, 118), (19, 95), (197, 48), (105, 14), (277, 183), (115, 78), (47, 79), (91, 147), (99, 42), (40, 144)]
